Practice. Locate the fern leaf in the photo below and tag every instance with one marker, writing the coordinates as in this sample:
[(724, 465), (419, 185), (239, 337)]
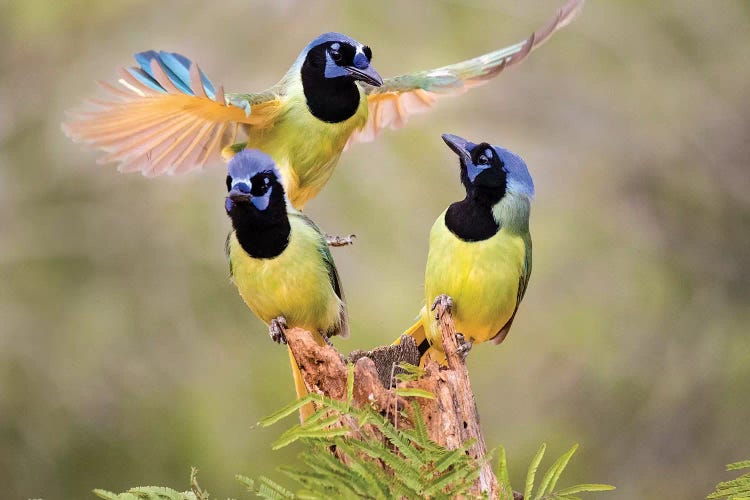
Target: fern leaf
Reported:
[(350, 384), (503, 477), (549, 481), (745, 464), (584, 488), (421, 435), (409, 372), (532, 471), (287, 410), (404, 471), (303, 433), (413, 392)]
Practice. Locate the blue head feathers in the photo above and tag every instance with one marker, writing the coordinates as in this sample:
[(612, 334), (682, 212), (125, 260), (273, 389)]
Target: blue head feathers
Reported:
[(488, 166), (252, 177)]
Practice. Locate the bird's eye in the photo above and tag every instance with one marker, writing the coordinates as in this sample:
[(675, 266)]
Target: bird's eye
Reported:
[(229, 182), (261, 184), (483, 160), (335, 55)]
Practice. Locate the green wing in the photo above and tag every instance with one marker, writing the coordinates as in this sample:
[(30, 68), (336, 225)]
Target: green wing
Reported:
[(333, 274), (391, 104), (522, 284)]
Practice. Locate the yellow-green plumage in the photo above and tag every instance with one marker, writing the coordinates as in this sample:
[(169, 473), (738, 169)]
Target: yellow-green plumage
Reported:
[(482, 278), (278, 258), (296, 284), (305, 148)]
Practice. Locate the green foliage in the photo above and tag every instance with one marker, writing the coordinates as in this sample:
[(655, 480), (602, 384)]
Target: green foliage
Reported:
[(382, 462), (158, 492), (546, 489), (736, 489)]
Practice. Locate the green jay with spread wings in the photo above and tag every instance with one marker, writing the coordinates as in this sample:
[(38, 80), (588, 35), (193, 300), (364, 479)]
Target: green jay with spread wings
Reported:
[(278, 259), (167, 117)]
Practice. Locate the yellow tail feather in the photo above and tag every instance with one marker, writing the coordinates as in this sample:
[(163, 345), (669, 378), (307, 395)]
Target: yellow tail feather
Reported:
[(299, 384)]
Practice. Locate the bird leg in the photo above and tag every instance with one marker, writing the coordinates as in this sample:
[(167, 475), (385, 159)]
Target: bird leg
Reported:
[(444, 301), (276, 330), (340, 241), (464, 346)]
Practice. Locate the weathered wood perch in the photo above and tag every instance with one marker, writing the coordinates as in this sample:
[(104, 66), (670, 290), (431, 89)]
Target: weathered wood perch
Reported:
[(452, 418)]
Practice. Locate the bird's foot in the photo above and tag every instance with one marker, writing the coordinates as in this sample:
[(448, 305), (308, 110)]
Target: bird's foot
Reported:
[(444, 301), (340, 241), (276, 330), (464, 346)]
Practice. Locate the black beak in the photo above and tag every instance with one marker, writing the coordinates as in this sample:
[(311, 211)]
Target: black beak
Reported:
[(368, 75), (459, 146)]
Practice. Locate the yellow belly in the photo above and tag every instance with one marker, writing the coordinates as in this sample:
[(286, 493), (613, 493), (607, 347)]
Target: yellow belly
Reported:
[(481, 277), (295, 285)]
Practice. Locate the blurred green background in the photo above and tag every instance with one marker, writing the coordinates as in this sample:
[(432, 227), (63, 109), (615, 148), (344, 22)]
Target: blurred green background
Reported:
[(126, 356)]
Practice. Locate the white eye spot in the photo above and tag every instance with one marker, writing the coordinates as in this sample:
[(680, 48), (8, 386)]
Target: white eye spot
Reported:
[(336, 46)]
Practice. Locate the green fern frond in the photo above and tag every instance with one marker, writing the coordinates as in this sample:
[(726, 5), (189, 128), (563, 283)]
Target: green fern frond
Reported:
[(413, 392), (421, 436), (147, 493), (546, 490), (583, 488), (350, 384), (503, 477), (409, 372), (736, 489), (532, 471), (549, 481)]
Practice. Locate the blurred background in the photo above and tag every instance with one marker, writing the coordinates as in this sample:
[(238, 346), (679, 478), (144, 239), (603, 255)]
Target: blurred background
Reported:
[(126, 355)]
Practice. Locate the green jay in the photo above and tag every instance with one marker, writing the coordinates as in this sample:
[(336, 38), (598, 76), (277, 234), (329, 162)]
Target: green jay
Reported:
[(278, 258), (479, 258), (167, 117)]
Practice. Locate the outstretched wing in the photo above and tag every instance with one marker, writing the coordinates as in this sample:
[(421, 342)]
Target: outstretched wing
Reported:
[(391, 104), (343, 328), (167, 117)]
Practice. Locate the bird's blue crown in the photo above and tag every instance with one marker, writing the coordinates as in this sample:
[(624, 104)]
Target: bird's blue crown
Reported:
[(519, 179), (249, 162)]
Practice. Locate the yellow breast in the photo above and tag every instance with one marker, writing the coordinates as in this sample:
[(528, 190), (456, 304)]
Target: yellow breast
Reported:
[(482, 277), (295, 285)]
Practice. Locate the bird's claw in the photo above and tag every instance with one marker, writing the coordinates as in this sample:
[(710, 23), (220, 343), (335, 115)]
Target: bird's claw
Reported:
[(340, 241), (464, 346), (276, 330), (443, 300)]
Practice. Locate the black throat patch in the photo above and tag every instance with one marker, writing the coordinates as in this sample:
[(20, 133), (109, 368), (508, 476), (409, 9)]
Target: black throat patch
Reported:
[(471, 220), (331, 100), (263, 235)]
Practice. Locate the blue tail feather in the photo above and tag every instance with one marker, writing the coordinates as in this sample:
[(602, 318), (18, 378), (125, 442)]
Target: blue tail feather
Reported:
[(145, 79), (177, 68)]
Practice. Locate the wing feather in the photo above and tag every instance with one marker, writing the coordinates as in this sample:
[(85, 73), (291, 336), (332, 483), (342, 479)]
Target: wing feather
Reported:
[(166, 117), (391, 104), (325, 252)]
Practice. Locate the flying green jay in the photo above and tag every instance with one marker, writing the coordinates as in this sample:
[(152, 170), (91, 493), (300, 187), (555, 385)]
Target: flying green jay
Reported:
[(278, 258), (479, 258), (167, 117)]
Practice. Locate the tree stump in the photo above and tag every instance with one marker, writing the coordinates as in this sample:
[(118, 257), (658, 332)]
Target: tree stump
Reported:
[(452, 418)]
